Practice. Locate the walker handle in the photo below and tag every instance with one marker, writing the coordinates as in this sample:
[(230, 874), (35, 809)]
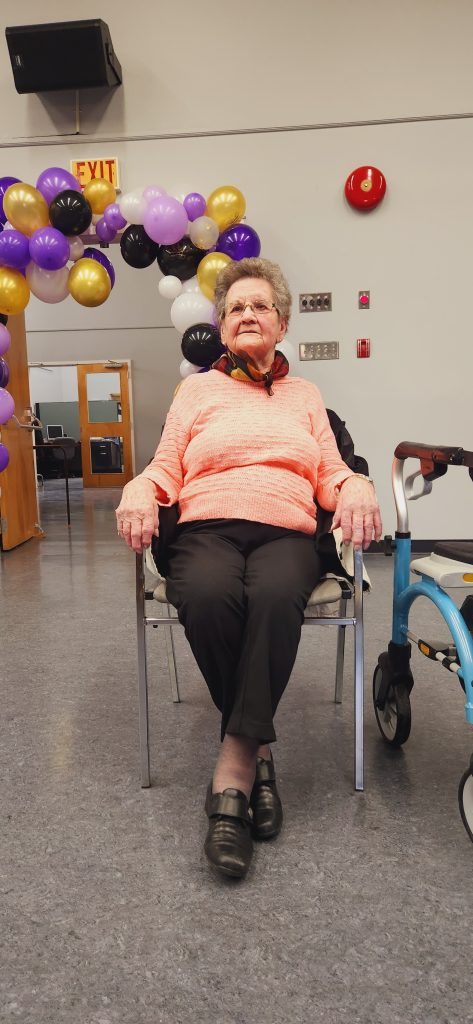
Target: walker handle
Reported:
[(434, 459)]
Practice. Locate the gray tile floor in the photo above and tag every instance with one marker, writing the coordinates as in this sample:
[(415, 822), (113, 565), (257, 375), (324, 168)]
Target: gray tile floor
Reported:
[(360, 912)]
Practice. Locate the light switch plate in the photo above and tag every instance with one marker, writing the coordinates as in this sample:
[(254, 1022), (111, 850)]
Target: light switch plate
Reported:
[(319, 350), (315, 302)]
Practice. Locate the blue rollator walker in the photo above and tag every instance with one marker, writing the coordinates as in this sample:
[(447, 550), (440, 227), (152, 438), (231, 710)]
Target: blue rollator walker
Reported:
[(449, 565)]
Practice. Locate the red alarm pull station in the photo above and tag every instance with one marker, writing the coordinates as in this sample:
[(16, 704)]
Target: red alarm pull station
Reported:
[(363, 348)]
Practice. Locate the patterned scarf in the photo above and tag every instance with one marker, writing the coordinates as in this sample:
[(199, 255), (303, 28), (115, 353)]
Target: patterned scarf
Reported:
[(238, 368)]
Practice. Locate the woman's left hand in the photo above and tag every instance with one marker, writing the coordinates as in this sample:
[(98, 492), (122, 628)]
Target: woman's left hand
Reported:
[(357, 513)]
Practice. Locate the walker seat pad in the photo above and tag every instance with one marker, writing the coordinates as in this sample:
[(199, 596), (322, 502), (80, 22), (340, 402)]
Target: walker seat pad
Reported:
[(447, 572)]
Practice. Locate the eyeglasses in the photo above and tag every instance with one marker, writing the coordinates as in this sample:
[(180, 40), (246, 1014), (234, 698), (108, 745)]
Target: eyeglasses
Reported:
[(259, 307)]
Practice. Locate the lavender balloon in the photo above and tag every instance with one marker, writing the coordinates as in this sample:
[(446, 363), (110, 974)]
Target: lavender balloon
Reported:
[(103, 231), (165, 220), (194, 205), (7, 405), (54, 180), (4, 184), (4, 373), (113, 218), (14, 250), (4, 457), (49, 248), (99, 256), (239, 242), (4, 339)]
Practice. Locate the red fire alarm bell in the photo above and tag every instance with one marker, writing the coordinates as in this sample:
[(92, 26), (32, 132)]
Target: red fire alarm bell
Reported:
[(365, 188)]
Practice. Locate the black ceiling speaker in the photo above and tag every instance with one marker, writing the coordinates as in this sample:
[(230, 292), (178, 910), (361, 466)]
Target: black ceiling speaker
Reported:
[(63, 55)]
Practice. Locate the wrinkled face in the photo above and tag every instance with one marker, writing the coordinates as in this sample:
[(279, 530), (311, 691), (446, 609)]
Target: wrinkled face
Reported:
[(252, 331)]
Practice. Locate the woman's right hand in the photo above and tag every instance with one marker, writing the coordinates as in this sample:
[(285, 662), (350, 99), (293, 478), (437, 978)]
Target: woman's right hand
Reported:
[(137, 513)]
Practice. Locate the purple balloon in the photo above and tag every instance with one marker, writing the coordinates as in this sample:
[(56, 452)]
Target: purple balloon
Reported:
[(4, 373), (194, 205), (4, 184), (4, 457), (103, 231), (165, 220), (100, 257), (239, 242), (113, 218), (7, 405), (49, 248), (5, 339), (14, 250), (54, 180)]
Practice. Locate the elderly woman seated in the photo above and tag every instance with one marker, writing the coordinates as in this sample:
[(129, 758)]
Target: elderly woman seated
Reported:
[(245, 450)]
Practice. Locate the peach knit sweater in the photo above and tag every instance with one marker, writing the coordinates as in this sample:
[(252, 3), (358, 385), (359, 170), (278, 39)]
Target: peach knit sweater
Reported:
[(231, 451)]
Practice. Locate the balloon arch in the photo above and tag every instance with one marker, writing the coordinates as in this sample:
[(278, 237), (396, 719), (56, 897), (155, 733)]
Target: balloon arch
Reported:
[(42, 253)]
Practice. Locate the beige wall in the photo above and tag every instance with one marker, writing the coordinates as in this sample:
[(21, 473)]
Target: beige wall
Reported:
[(317, 64)]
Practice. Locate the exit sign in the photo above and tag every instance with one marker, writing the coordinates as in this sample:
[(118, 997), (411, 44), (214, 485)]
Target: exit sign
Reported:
[(103, 167)]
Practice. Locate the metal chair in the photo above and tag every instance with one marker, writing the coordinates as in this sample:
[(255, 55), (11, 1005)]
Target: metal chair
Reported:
[(329, 592)]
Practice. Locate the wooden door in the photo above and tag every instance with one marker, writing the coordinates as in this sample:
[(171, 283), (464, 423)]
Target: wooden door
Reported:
[(18, 500), (105, 424)]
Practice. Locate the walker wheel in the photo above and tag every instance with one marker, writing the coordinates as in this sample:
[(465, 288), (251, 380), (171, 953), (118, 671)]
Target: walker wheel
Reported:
[(394, 720), (465, 800)]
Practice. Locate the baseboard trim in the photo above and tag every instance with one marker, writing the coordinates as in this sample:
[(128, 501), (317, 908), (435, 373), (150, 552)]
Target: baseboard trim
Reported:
[(417, 544)]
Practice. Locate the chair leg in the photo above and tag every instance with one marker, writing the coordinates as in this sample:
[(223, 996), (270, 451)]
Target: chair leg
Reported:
[(340, 653), (171, 653), (142, 673), (359, 667)]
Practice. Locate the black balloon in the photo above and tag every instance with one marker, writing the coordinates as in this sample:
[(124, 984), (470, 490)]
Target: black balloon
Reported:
[(70, 212), (138, 249), (3, 318), (181, 259), (201, 344)]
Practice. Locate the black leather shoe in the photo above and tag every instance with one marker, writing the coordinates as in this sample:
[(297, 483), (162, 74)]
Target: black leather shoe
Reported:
[(228, 845), (265, 801)]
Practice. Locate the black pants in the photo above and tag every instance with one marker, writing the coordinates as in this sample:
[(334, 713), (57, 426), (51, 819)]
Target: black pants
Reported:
[(240, 589)]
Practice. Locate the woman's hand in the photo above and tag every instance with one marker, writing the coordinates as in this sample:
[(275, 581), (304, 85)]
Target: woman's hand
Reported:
[(137, 513), (357, 513)]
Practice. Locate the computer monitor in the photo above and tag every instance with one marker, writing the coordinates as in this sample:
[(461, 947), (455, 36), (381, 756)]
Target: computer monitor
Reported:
[(54, 430)]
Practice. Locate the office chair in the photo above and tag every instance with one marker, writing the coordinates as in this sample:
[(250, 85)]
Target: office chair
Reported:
[(68, 445)]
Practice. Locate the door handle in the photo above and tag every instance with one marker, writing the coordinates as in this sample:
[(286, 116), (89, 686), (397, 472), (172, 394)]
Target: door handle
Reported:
[(33, 421)]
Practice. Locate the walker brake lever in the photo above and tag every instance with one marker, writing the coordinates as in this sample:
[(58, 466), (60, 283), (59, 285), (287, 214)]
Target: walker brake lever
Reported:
[(409, 486)]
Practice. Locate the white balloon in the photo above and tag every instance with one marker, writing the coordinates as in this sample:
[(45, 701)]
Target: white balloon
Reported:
[(48, 285), (76, 248), (170, 287), (7, 226), (189, 309), (289, 351), (186, 368), (153, 192), (132, 206), (204, 232), (192, 285)]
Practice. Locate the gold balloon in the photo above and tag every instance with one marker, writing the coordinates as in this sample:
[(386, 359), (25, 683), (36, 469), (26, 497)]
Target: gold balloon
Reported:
[(208, 270), (226, 205), (25, 208), (99, 193), (14, 292), (89, 283)]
